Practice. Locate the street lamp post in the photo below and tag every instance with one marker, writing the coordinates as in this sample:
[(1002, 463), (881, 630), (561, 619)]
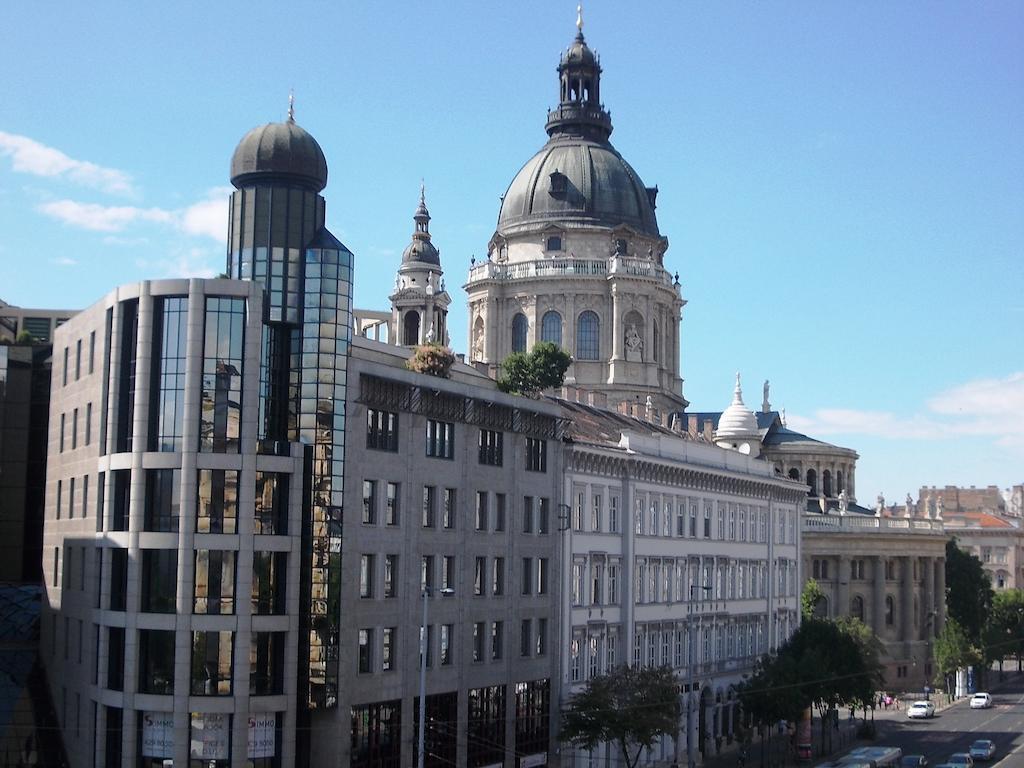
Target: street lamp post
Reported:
[(423, 669)]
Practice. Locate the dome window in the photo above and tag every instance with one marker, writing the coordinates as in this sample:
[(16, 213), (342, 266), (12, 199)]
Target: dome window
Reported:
[(554, 243), (559, 184)]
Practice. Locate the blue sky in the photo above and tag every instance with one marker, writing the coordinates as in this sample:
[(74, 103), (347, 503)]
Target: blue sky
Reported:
[(842, 184)]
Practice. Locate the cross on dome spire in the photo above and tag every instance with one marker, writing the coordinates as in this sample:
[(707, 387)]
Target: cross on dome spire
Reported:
[(579, 20), (291, 105)]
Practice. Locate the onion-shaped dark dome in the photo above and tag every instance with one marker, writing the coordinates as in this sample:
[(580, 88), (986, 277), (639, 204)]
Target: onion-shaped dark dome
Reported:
[(279, 153), (575, 180), (421, 250), (579, 53)]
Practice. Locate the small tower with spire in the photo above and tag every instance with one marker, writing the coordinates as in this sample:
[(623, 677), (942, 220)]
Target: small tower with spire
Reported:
[(579, 111), (419, 304), (737, 426)]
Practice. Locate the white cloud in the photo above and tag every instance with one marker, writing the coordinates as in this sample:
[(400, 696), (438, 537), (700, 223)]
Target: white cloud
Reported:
[(185, 262), (987, 408), (207, 218), (64, 261), (103, 218), (29, 156)]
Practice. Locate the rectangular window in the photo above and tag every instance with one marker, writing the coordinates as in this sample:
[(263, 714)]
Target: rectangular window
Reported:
[(429, 505), (212, 655), (118, 579), (60, 498), (491, 447), (65, 374), (525, 637), (115, 658), (498, 576), (271, 511), (214, 581), (74, 429), (499, 512), (542, 637), (217, 501), (381, 430), (365, 653), (596, 583), (542, 575), (613, 514), (528, 514), (595, 513), (223, 369), (574, 660), (88, 423), (63, 431), (92, 351), (479, 628), (448, 572), (159, 580), (440, 439), (497, 639), (707, 521), (78, 360), (536, 455), (387, 651), (266, 663), (543, 515), (390, 575), (447, 637), (479, 575), (167, 392), (392, 514), (156, 661), (527, 576), (427, 572), (578, 510), (577, 583), (613, 584), (448, 520), (71, 499), (162, 507), (268, 582), (366, 563), (370, 502), (481, 510)]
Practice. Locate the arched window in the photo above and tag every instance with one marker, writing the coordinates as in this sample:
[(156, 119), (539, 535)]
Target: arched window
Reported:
[(519, 326), (857, 607), (812, 481), (411, 328), (656, 340), (551, 328), (821, 608), (588, 336), (794, 473), (839, 481), (826, 483), (890, 610)]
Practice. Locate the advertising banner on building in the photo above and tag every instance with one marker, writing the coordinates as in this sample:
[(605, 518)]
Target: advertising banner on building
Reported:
[(262, 734), (211, 736), (158, 734)]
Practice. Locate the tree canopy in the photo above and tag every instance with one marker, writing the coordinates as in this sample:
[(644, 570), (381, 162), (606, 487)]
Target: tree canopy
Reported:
[(528, 373), (954, 649), (810, 596), (630, 707), (968, 591), (1004, 631)]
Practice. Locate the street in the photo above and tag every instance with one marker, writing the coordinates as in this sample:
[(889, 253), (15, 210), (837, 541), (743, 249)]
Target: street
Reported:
[(953, 729)]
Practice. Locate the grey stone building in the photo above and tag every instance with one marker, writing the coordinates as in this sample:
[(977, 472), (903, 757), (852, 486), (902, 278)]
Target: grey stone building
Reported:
[(451, 493)]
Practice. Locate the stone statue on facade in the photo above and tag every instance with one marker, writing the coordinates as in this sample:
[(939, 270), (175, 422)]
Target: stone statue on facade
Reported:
[(478, 344), (879, 505), (634, 345), (844, 501), (911, 508), (938, 508), (766, 405), (430, 334)]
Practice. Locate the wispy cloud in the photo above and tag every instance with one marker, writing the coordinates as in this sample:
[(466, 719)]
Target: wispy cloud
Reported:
[(185, 262), (30, 156), (992, 408), (103, 218), (64, 261), (205, 218)]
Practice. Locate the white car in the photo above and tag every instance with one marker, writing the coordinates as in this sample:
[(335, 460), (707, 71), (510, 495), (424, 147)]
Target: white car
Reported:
[(921, 709), (981, 701)]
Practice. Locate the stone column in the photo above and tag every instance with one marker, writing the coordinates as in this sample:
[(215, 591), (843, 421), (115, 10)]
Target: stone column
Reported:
[(616, 324), (878, 596), (929, 598), (940, 594), (490, 314), (843, 587), (907, 599)]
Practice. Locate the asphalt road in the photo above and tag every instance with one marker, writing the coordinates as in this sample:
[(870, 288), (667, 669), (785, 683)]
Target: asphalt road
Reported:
[(953, 729)]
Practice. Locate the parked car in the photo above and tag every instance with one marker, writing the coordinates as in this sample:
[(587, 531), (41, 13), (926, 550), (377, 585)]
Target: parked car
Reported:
[(921, 709), (913, 761), (981, 701), (961, 759), (983, 749)]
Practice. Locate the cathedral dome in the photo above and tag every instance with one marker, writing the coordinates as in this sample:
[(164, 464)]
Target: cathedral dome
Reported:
[(581, 181), (279, 152), (737, 420)]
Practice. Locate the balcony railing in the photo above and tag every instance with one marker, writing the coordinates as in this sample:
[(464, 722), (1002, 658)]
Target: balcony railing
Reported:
[(832, 522), (570, 267)]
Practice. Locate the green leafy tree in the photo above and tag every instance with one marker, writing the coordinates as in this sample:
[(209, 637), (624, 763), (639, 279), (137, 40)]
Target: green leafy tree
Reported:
[(1004, 631), (25, 337), (809, 598), (629, 707), (529, 373), (954, 649), (968, 591)]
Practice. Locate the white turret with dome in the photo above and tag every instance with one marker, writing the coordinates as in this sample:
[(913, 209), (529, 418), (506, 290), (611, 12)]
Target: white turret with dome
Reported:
[(737, 426)]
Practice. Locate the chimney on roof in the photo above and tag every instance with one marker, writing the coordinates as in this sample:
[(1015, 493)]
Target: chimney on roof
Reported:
[(598, 399), (691, 425), (708, 433)]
